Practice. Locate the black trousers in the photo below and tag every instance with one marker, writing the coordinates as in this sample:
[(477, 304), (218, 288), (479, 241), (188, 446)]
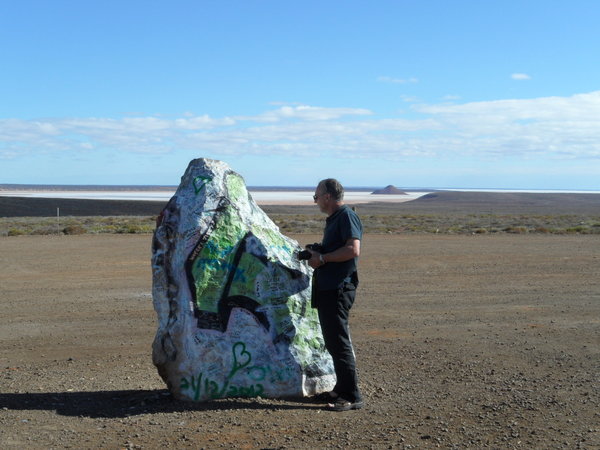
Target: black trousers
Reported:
[(333, 307)]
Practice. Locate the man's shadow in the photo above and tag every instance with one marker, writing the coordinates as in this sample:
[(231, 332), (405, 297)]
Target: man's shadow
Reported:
[(116, 404)]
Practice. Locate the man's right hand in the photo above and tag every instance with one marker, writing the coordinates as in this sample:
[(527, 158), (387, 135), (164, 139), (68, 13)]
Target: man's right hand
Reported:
[(315, 260)]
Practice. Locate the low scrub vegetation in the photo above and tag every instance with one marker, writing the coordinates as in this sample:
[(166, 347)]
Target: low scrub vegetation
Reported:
[(18, 226), (392, 223), (450, 223)]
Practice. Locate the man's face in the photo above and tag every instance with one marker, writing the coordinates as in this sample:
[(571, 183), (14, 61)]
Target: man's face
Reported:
[(321, 197)]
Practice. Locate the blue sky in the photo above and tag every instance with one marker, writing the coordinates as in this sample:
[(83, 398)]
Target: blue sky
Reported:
[(475, 94)]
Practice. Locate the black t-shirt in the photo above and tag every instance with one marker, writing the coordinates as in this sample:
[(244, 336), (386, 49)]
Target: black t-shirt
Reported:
[(339, 227)]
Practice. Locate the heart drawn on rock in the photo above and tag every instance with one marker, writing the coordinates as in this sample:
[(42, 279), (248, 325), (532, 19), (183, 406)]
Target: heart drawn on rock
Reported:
[(241, 357)]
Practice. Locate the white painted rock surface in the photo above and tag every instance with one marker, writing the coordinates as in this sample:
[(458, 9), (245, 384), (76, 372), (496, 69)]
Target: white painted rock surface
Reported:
[(232, 299)]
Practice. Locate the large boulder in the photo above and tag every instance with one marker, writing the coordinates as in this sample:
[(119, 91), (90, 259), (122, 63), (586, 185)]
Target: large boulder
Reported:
[(231, 296)]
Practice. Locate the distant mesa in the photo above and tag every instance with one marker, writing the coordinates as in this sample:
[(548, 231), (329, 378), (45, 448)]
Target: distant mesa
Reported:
[(389, 190), (429, 196)]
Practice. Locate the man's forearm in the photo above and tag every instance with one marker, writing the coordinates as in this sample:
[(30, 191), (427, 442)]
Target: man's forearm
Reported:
[(340, 255), (350, 250)]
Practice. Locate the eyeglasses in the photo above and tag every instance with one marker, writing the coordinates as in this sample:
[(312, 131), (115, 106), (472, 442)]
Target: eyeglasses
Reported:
[(316, 197)]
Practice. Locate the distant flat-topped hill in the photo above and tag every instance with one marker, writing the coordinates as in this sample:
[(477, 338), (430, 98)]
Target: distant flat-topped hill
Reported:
[(507, 202), (389, 190)]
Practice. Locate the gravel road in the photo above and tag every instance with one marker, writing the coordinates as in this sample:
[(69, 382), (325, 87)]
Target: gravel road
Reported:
[(488, 341)]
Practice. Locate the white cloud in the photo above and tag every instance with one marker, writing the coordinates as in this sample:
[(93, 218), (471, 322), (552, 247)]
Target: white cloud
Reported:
[(520, 76), (543, 128), (409, 98), (555, 127), (304, 112), (385, 79)]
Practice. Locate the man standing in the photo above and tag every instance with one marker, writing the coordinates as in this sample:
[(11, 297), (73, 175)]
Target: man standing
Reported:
[(334, 286)]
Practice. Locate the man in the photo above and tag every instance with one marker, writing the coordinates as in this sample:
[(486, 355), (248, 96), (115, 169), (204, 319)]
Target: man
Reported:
[(334, 286)]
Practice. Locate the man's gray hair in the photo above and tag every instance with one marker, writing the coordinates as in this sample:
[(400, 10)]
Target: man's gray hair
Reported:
[(334, 188)]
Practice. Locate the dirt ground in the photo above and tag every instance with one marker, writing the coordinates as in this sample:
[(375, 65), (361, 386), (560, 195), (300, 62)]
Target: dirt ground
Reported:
[(461, 341)]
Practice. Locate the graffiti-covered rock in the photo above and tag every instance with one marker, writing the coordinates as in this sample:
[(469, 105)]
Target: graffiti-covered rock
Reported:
[(231, 296)]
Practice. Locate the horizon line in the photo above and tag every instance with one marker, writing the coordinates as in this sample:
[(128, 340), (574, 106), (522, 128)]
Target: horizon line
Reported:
[(147, 187)]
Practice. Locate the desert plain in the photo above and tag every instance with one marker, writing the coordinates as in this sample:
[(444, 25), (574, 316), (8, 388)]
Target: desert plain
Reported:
[(479, 340)]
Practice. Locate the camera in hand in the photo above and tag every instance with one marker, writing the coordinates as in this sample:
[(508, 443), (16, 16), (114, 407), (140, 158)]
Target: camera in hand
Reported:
[(305, 254)]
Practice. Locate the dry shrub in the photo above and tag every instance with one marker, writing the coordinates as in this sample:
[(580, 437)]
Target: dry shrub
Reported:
[(516, 230), (74, 229)]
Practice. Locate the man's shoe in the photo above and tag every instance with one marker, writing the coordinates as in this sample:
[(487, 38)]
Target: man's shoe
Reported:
[(326, 397), (344, 405)]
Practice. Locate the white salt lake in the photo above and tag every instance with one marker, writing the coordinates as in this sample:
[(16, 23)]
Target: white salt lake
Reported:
[(270, 197)]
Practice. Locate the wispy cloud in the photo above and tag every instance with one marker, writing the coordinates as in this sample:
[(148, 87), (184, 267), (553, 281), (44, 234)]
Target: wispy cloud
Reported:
[(520, 76), (548, 127), (555, 127), (386, 79), (305, 112), (410, 98)]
